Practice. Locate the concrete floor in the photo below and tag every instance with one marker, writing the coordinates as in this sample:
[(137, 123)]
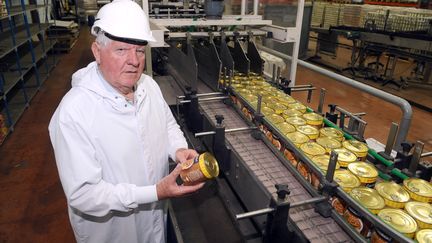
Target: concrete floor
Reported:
[(33, 206)]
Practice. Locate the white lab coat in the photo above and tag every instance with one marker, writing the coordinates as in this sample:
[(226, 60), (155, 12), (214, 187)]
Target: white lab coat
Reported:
[(110, 155)]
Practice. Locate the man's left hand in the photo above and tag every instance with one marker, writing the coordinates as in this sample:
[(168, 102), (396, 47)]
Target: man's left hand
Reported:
[(182, 155)]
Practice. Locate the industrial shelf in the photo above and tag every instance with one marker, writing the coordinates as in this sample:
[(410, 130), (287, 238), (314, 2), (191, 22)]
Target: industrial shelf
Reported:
[(16, 10), (26, 56), (6, 42)]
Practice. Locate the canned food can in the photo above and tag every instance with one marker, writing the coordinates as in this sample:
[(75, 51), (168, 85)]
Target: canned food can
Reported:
[(362, 225), (338, 204), (419, 189), (346, 180), (304, 170), (295, 121), (312, 149), (332, 133), (285, 127), (345, 157), (421, 212), (424, 236), (309, 131), (297, 106), (394, 195), (314, 119), (368, 198), (379, 237), (322, 161), (297, 138), (366, 172), (290, 113), (277, 107), (274, 119), (329, 143), (291, 157), (360, 149), (199, 169), (400, 220)]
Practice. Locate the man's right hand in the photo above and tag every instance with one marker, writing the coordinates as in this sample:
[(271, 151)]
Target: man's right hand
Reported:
[(167, 187)]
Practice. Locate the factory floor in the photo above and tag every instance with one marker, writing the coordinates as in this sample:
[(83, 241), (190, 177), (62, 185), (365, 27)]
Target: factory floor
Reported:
[(33, 206)]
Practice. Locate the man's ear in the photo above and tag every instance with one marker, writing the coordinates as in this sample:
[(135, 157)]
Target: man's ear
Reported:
[(96, 51)]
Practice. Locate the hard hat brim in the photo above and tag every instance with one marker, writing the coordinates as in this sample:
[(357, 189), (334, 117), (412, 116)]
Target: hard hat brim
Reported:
[(126, 40)]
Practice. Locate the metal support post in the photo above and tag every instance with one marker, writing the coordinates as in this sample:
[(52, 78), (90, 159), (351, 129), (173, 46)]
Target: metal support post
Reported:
[(321, 101), (390, 142), (415, 159)]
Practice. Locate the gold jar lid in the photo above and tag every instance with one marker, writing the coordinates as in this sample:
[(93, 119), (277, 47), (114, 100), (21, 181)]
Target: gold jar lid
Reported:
[(368, 197), (358, 148), (270, 99), (277, 107), (244, 92), (392, 191), (322, 161), (267, 111), (297, 106), (297, 137), (285, 127), (421, 212), (308, 130), (237, 86), (208, 165), (398, 219), (419, 187), (332, 132), (274, 118), (286, 100), (313, 118), (312, 149), (346, 180), (345, 157), (254, 104), (295, 121), (424, 236), (329, 143), (291, 112), (250, 98), (263, 93), (363, 170)]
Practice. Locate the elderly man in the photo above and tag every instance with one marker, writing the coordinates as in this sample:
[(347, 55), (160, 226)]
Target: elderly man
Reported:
[(112, 135)]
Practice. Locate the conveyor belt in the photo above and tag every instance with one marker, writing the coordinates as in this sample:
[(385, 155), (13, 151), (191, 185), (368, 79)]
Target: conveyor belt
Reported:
[(270, 171)]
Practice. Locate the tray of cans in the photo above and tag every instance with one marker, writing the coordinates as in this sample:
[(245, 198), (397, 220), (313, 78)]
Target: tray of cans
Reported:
[(379, 209)]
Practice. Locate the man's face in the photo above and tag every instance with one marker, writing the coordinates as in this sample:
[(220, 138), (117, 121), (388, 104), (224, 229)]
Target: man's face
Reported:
[(121, 63)]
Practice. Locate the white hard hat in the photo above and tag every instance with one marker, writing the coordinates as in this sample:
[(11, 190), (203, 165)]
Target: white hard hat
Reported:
[(123, 20)]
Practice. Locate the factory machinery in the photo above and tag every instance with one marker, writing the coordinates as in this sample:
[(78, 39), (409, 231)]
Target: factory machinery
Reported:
[(270, 199)]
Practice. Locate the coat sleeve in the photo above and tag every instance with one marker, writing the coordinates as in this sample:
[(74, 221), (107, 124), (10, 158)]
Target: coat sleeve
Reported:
[(176, 138), (81, 173)]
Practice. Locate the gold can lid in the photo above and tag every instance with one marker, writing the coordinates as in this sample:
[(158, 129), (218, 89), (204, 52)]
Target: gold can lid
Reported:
[(424, 236), (250, 98), (269, 99), (291, 112), (271, 89), (297, 137), (368, 197), (355, 146), (392, 191), (297, 106), (254, 104), (308, 130), (312, 116), (329, 143), (398, 219), (322, 161), (237, 86), (331, 132), (346, 179), (363, 169), (286, 99), (263, 93), (345, 155), (418, 186), (244, 92), (267, 111), (208, 165), (420, 210), (278, 107), (285, 127), (296, 121), (312, 148), (274, 118)]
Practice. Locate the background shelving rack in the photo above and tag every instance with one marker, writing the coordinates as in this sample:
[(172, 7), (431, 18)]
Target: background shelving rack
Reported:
[(26, 55)]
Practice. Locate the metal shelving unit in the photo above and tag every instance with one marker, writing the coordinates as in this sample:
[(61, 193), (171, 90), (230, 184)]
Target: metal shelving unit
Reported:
[(26, 56)]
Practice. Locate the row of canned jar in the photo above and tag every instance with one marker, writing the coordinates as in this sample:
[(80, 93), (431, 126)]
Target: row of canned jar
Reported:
[(305, 131)]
